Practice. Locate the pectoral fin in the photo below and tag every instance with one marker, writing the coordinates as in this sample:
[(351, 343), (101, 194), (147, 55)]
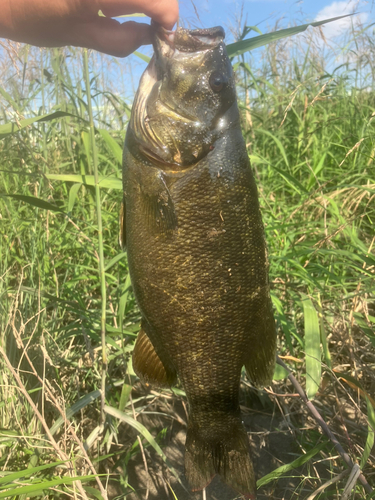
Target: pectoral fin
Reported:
[(158, 204), (148, 365), (146, 188), (261, 356)]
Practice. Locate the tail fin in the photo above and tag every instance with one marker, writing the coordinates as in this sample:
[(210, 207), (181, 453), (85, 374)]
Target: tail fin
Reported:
[(227, 455)]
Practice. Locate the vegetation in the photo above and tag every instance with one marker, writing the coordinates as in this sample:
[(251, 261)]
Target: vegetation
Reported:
[(70, 405)]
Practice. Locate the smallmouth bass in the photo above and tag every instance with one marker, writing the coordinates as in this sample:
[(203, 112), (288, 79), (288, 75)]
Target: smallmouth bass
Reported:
[(196, 249)]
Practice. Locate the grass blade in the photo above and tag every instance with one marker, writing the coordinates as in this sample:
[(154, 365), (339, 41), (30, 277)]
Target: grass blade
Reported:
[(93, 492), (88, 180), (27, 472), (114, 261), (143, 431), (112, 144), (371, 433), (13, 127), (78, 406), (278, 144), (238, 48), (44, 485), (101, 271), (312, 347), (292, 181), (280, 471), (142, 56), (33, 201), (323, 337), (73, 196)]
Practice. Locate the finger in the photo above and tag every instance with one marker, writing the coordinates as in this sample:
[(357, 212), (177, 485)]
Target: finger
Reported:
[(102, 34), (108, 36), (165, 12)]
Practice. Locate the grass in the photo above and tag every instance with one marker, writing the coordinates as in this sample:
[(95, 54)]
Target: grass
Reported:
[(68, 319)]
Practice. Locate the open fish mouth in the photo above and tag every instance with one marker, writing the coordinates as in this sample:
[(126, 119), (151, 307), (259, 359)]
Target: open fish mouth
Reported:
[(169, 43), (166, 43)]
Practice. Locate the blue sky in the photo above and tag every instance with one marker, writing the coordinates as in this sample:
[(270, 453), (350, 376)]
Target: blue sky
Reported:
[(266, 13)]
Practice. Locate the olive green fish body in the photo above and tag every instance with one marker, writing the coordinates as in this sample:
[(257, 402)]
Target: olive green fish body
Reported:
[(198, 263)]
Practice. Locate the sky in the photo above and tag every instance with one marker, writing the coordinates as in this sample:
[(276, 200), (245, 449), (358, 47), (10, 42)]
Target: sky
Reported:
[(265, 13)]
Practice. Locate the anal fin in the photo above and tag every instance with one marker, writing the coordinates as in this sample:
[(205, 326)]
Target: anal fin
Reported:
[(148, 365)]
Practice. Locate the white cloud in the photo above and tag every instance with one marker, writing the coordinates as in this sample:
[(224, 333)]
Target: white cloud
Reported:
[(337, 9)]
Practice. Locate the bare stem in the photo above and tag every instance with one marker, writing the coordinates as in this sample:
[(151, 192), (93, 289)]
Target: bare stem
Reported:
[(323, 425), (63, 415), (26, 395), (100, 234)]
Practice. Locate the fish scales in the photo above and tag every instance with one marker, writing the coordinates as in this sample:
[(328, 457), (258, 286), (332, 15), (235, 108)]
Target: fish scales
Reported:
[(196, 249)]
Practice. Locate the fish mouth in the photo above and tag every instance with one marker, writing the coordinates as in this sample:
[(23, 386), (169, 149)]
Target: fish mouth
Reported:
[(166, 42), (172, 44)]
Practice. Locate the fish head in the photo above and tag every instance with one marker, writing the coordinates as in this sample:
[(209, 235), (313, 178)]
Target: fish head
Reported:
[(186, 98)]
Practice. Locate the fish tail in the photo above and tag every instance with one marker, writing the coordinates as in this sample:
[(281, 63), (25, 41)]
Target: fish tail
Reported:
[(226, 453)]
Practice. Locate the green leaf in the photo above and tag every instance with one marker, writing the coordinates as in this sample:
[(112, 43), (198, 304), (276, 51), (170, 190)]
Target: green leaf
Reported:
[(323, 337), (10, 99), (238, 48), (312, 347), (13, 127), (85, 136), (285, 324), (280, 471), (76, 407), (292, 181), (27, 472), (35, 202), (252, 28), (317, 169), (123, 301), (143, 431), (258, 160), (113, 145), (277, 142), (142, 56), (280, 373), (114, 261), (125, 393), (72, 196), (370, 435), (93, 492), (88, 180), (44, 485)]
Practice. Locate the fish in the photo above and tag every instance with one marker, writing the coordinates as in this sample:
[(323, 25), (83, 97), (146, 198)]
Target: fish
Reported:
[(196, 250)]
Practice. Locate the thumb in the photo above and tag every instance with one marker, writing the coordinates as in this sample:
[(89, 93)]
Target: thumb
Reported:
[(108, 36)]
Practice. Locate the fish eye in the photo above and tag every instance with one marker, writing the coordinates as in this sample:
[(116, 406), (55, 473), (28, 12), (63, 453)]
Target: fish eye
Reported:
[(217, 81)]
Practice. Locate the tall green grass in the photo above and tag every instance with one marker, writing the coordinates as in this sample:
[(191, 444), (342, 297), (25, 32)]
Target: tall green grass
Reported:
[(66, 300)]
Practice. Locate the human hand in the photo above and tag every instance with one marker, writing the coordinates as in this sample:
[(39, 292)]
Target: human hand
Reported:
[(56, 23)]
